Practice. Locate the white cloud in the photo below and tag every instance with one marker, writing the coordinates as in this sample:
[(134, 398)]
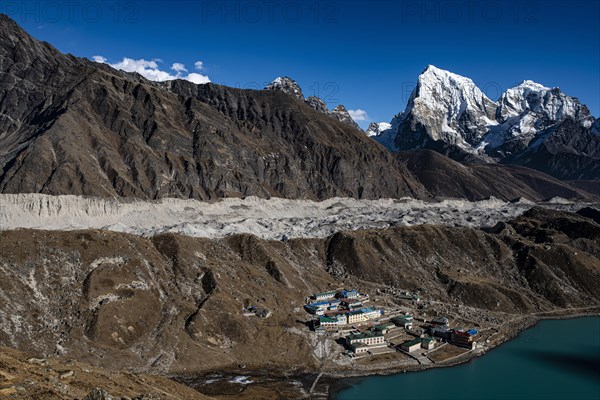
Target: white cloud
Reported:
[(99, 59), (197, 78), (150, 70), (199, 65), (358, 115), (179, 67)]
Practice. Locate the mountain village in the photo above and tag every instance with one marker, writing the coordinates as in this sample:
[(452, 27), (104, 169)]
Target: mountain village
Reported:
[(364, 329)]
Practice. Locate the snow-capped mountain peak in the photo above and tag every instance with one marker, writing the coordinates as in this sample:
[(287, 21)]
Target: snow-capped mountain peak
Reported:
[(450, 108), (446, 106), (287, 85), (532, 85), (451, 92), (549, 104)]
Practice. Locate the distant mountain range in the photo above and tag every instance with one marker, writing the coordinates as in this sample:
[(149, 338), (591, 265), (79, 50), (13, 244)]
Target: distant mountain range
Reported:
[(530, 125), (72, 126)]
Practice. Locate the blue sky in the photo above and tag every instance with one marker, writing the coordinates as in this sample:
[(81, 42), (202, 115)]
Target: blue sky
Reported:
[(365, 55)]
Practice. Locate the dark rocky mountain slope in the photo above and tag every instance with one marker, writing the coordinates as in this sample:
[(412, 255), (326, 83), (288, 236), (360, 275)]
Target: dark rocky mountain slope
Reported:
[(71, 126), (567, 152), (444, 177)]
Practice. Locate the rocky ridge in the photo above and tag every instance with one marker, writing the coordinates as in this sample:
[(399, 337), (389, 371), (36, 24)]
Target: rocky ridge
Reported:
[(72, 126), (291, 87)]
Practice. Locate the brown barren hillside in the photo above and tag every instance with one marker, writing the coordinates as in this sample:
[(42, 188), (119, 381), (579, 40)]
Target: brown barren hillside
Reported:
[(25, 377), (173, 304)]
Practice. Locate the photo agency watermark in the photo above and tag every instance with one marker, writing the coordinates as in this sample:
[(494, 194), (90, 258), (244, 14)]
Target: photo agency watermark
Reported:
[(469, 11), (42, 12), (269, 11)]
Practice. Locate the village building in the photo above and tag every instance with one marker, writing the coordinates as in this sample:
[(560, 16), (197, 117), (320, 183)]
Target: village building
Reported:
[(411, 345), (463, 338), (319, 307), (363, 314), (348, 294), (440, 331), (324, 296), (428, 343), (371, 313), (355, 317), (440, 321), (404, 321), (384, 328), (359, 348), (366, 338), (351, 304), (329, 323)]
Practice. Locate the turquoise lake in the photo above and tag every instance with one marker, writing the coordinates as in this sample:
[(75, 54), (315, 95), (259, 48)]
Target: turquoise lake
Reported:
[(556, 359)]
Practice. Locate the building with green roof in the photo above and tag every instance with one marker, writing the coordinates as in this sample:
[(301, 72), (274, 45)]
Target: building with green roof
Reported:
[(411, 345)]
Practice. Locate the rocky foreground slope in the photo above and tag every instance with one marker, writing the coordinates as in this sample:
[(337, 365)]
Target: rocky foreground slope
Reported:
[(173, 304), (25, 377)]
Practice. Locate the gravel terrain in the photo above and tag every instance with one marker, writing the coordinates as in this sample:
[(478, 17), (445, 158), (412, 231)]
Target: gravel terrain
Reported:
[(268, 219)]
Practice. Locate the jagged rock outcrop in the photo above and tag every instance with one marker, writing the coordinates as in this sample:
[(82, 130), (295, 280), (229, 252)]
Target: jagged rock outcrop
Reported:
[(317, 104), (286, 85), (341, 114), (72, 126), (291, 87)]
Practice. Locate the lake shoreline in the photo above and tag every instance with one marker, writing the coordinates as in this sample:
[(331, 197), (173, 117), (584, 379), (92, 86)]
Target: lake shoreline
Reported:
[(338, 382), (331, 382)]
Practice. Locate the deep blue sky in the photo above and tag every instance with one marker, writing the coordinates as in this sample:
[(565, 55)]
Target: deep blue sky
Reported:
[(366, 55)]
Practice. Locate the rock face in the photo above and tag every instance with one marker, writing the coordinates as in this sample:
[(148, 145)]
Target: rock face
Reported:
[(566, 151), (449, 111), (72, 126), (375, 128), (171, 303)]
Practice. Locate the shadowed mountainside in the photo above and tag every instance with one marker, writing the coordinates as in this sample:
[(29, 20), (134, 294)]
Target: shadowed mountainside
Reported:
[(72, 126), (444, 177)]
